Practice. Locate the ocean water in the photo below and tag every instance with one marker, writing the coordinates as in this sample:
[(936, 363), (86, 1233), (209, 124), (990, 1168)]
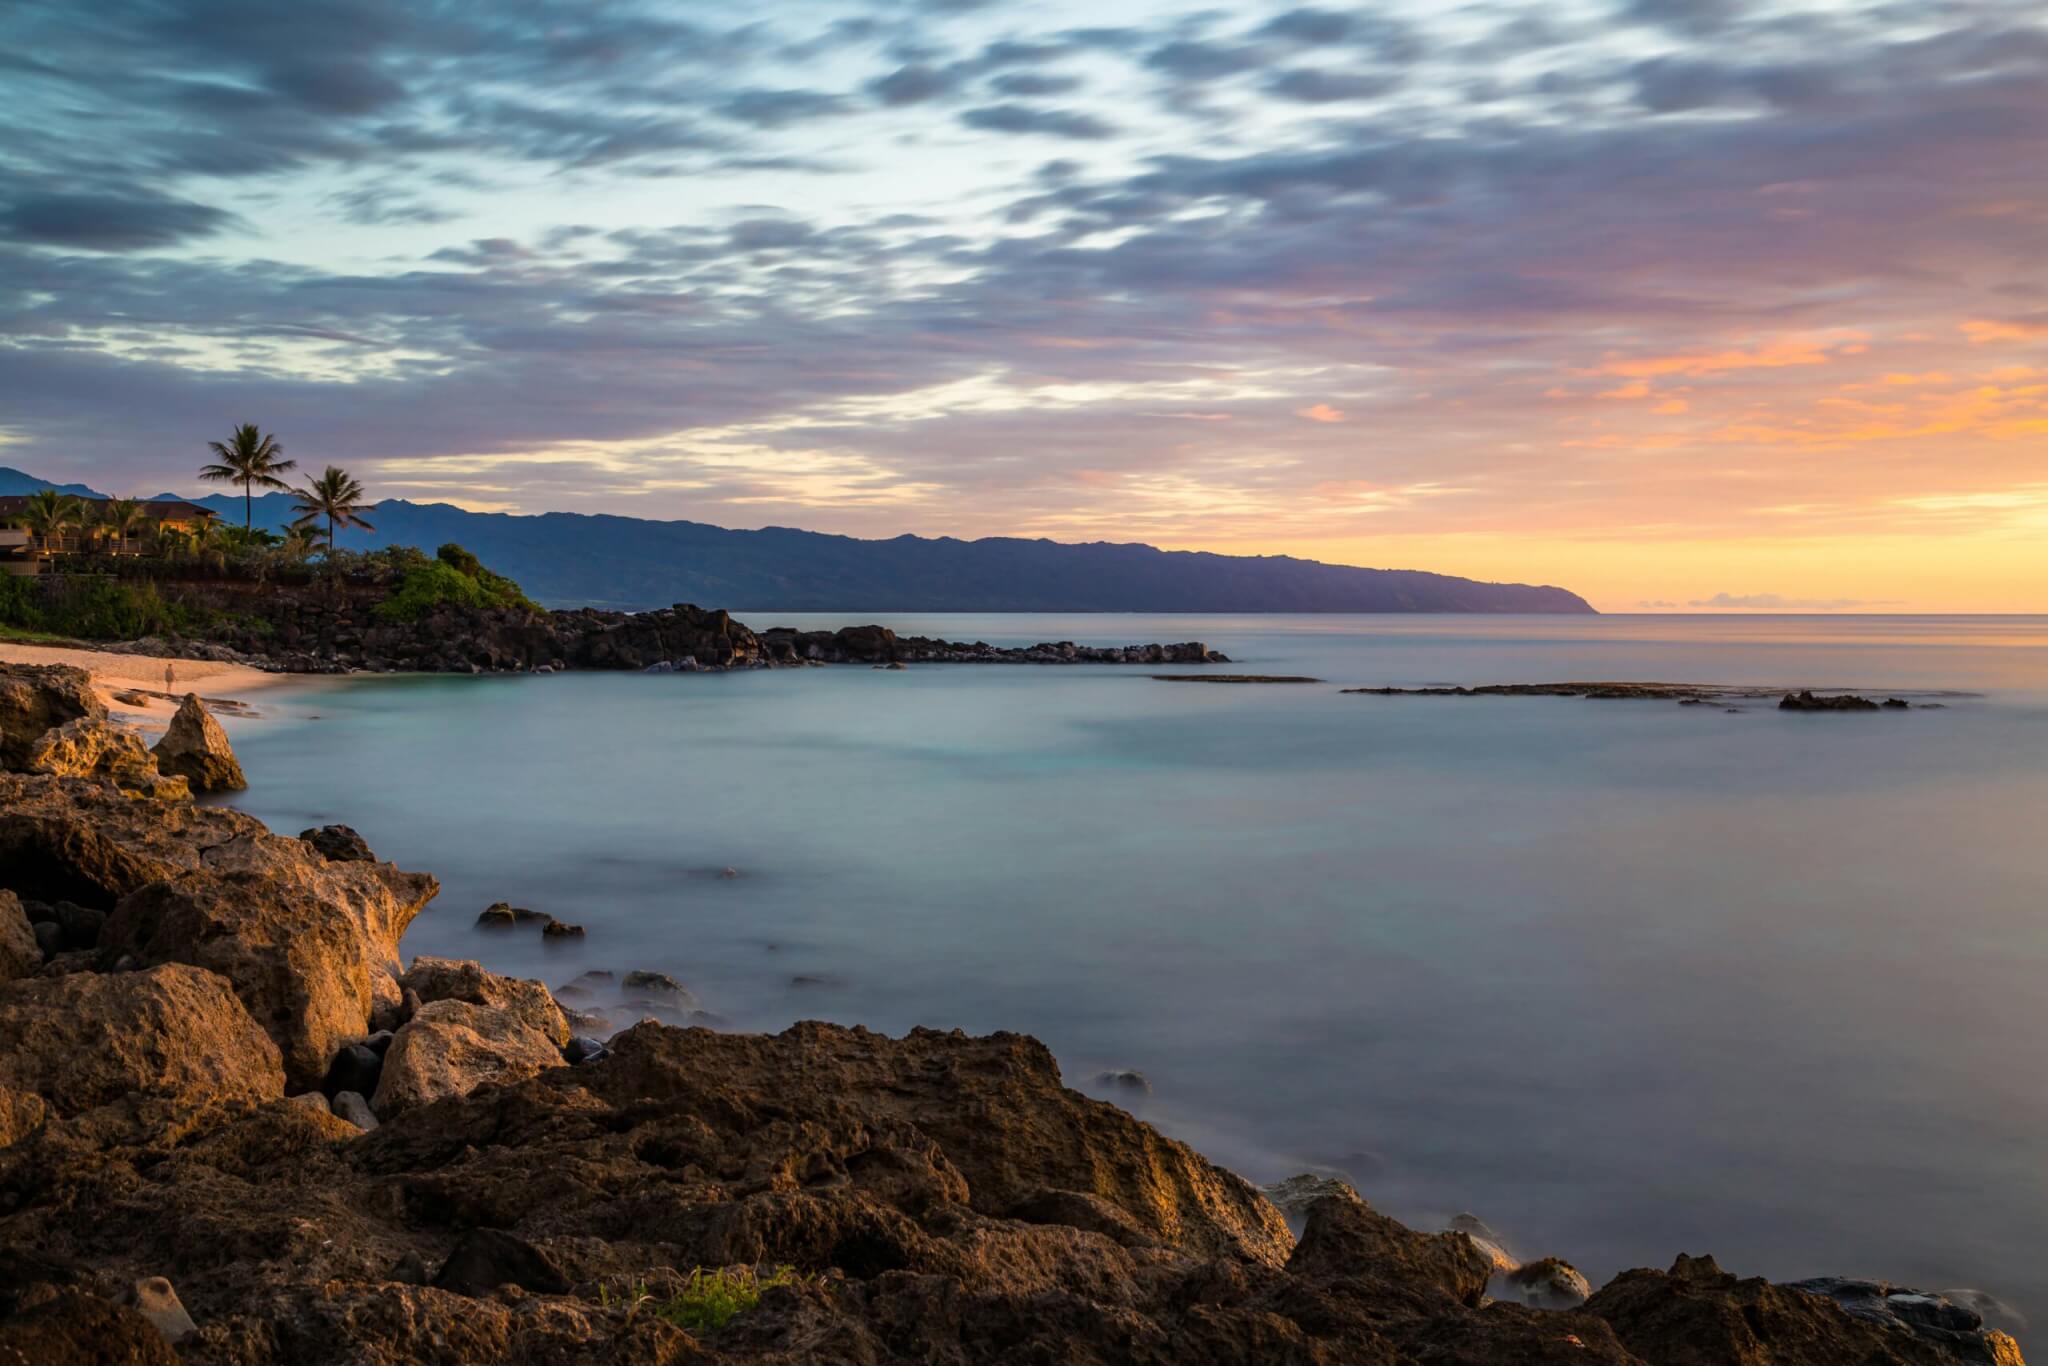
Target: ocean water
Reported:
[(1626, 979)]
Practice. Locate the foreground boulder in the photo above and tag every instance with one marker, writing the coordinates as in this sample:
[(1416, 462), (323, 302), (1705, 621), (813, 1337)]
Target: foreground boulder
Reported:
[(196, 749), (94, 747), (90, 1039), (308, 944), (449, 979), (301, 938), (38, 698), (451, 1047)]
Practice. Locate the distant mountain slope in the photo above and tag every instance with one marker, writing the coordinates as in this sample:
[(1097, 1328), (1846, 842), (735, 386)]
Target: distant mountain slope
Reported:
[(572, 559), (564, 558), (13, 483)]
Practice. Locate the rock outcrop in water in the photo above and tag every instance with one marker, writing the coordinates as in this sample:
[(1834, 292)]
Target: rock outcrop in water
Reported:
[(196, 749), (170, 1169)]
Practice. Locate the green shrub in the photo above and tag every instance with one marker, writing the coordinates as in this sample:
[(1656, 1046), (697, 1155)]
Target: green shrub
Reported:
[(98, 607), (20, 603), (711, 1299), (455, 578)]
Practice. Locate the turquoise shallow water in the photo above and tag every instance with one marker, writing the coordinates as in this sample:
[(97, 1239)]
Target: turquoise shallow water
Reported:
[(1626, 979)]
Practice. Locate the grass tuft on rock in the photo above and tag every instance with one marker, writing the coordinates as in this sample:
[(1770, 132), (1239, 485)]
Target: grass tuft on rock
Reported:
[(711, 1298)]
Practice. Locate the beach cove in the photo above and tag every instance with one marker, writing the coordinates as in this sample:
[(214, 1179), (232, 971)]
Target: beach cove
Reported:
[(1371, 895)]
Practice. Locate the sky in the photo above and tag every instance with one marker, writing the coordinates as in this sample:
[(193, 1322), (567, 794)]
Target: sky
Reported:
[(1682, 304)]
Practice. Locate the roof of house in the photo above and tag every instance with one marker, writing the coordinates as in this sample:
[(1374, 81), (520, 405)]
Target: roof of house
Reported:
[(156, 509)]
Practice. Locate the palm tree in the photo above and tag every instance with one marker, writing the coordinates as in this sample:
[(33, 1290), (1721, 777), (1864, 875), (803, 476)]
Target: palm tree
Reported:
[(48, 514), (207, 543), (122, 518), (248, 458), (336, 496)]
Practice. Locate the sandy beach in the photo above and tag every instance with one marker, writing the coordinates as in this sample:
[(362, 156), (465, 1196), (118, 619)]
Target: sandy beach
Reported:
[(143, 676)]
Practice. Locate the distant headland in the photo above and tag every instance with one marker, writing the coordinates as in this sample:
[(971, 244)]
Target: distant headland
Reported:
[(573, 559)]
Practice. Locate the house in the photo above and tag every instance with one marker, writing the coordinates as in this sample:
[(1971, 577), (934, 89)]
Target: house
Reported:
[(20, 553)]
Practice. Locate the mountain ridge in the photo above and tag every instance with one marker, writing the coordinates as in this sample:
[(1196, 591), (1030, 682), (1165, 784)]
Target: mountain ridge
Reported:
[(612, 560)]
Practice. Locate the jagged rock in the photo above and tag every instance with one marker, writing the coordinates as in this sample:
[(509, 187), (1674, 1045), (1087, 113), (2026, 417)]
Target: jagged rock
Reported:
[(312, 1100), (582, 1049), (196, 749), (38, 698), (351, 1106), (449, 979), (1293, 1196), (451, 1047), (22, 1115), (558, 929), (75, 1327), (20, 954), (154, 1298), (301, 938), (486, 1258), (94, 747), (1934, 1317), (339, 844), (87, 1039), (1696, 1314), (1548, 1283), (1344, 1236), (1490, 1244)]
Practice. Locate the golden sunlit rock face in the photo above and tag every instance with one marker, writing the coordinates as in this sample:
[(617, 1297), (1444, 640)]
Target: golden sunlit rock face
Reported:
[(1734, 304)]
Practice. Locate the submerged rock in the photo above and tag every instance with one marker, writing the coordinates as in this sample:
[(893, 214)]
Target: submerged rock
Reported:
[(1807, 701), (339, 844), (196, 749)]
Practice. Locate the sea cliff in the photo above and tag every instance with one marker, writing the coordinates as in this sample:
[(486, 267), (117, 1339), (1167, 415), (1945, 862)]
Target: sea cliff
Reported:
[(237, 1126)]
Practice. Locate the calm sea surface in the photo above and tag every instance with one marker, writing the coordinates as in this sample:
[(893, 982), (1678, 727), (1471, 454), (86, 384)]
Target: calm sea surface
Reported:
[(1624, 978)]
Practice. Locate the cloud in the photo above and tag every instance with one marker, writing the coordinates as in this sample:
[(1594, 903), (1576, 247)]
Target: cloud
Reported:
[(107, 222), (1321, 412), (1024, 118), (914, 84), (1777, 602)]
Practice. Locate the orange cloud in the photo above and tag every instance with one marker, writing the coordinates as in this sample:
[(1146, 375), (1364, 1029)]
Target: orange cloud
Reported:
[(1638, 389), (1792, 351), (1322, 412), (1982, 330)]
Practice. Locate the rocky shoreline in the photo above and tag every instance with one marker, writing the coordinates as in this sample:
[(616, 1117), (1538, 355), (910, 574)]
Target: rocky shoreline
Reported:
[(237, 1128), (331, 629)]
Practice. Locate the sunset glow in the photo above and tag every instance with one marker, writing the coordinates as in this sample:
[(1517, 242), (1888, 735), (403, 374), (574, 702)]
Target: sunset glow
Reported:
[(1682, 306)]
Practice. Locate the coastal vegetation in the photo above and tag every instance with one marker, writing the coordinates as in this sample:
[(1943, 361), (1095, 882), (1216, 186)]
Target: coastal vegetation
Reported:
[(454, 577)]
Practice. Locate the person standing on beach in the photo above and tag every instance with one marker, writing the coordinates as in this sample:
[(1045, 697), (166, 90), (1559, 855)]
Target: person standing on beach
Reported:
[(170, 677)]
